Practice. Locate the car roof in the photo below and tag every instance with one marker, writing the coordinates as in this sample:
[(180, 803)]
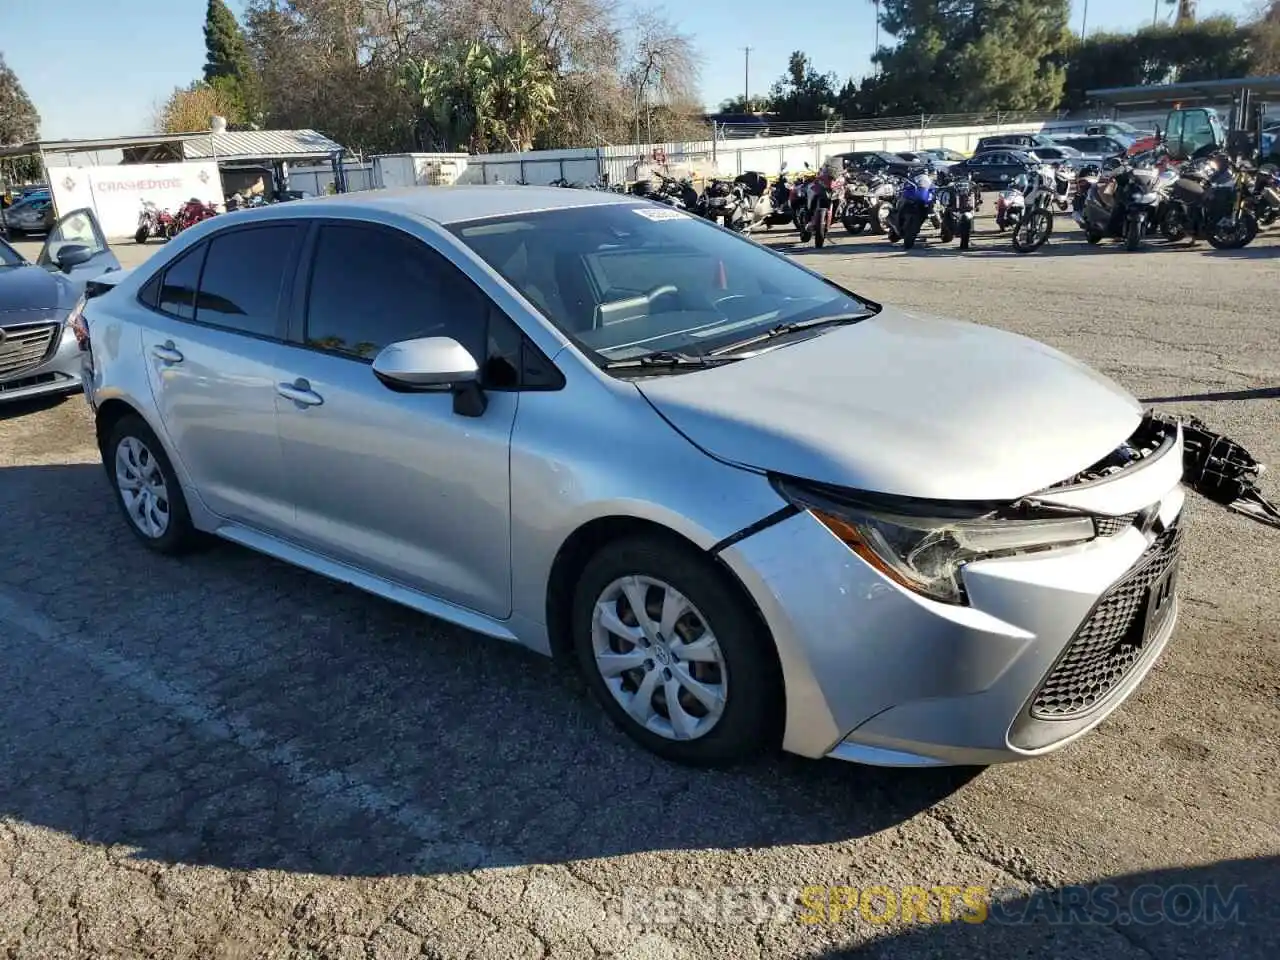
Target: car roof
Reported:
[(445, 204)]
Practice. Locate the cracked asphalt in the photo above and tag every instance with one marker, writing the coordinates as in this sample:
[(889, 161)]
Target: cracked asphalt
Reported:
[(225, 757)]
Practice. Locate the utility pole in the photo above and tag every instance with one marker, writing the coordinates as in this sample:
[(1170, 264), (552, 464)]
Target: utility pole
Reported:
[(746, 80), (1155, 12), (1084, 22)]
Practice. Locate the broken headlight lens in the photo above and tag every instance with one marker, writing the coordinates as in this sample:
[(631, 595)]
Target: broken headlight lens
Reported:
[(925, 553)]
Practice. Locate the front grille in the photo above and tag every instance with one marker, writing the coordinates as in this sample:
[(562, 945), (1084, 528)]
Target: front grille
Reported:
[(1110, 642), (8, 386), (1110, 526), (25, 347)]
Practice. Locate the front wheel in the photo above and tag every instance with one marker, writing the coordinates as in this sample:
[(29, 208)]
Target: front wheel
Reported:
[(1172, 226), (820, 229), (673, 655), (854, 225), (1032, 231), (141, 235), (1240, 235), (1133, 231), (877, 219), (910, 230)]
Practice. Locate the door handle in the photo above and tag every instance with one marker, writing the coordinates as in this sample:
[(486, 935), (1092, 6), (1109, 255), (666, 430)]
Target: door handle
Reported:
[(167, 353), (300, 392)]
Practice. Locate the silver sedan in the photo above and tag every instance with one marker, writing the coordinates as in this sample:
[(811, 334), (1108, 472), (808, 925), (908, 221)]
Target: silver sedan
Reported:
[(754, 508)]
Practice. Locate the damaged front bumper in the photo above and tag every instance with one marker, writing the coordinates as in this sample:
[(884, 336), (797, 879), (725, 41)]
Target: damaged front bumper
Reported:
[(1047, 645)]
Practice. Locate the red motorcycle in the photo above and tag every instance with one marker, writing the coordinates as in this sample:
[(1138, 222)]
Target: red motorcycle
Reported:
[(193, 212), (824, 191), (154, 222)]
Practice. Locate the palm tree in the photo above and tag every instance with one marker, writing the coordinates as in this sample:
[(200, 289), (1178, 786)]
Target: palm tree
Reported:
[(524, 96)]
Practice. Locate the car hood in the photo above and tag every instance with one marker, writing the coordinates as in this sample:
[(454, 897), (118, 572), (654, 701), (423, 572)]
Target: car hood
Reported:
[(32, 288), (905, 404)]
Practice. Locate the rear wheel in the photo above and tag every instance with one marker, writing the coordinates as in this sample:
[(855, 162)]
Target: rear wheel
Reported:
[(1092, 237), (877, 219), (147, 489), (673, 654), (966, 231), (141, 235)]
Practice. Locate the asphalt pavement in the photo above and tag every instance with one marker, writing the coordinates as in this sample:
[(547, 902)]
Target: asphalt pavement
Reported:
[(222, 756)]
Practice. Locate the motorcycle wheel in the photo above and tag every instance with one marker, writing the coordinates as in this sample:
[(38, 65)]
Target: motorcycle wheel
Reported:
[(1246, 229), (966, 231), (1172, 227), (1133, 231), (877, 219), (820, 231), (141, 235), (1092, 237), (853, 225), (910, 230), (1032, 231), (944, 233)]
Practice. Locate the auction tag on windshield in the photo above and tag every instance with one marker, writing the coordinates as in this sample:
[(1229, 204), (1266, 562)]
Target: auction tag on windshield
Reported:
[(661, 213)]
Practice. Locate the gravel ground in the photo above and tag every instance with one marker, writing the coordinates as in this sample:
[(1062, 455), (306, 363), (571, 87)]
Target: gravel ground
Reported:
[(225, 757)]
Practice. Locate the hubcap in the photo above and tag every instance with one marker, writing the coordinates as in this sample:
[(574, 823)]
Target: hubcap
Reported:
[(142, 487), (659, 658)]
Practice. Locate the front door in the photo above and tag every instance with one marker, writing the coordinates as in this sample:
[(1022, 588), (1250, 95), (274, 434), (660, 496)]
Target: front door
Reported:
[(77, 249), (213, 343), (396, 484)]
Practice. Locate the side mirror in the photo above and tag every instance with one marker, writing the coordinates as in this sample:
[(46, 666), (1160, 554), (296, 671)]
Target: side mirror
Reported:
[(433, 364), (72, 255)]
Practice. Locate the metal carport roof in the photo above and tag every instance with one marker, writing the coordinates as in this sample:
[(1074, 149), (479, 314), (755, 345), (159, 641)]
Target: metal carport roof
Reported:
[(1158, 95)]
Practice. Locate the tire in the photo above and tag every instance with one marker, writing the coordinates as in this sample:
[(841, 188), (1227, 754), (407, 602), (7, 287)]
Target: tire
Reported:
[(910, 230), (141, 235), (854, 226), (820, 230), (745, 675), (944, 233), (1092, 237), (877, 219), (966, 233), (1133, 234), (1032, 231), (133, 449), (1172, 226), (1248, 230)]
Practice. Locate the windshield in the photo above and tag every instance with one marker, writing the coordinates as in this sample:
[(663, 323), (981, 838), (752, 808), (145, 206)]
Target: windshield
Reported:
[(9, 257), (628, 280)]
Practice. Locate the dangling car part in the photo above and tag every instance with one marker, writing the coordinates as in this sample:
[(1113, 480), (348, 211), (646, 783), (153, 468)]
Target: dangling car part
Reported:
[(1221, 470)]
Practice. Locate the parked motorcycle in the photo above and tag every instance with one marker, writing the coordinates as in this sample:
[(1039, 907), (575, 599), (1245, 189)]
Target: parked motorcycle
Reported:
[(915, 206), (1034, 225), (868, 197), (1209, 201), (780, 211), (826, 192), (1264, 198), (1123, 206), (1064, 186), (1086, 178), (668, 190), (154, 222), (958, 203), (192, 212), (749, 206), (799, 200), (715, 200), (1012, 202)]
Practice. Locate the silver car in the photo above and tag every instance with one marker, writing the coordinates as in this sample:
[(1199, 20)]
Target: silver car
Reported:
[(753, 507), (40, 307)]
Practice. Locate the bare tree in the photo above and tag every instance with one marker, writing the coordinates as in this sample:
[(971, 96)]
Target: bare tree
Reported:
[(663, 69)]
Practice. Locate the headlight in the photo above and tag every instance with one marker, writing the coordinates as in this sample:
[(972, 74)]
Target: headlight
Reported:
[(925, 553), (1145, 198), (75, 322)]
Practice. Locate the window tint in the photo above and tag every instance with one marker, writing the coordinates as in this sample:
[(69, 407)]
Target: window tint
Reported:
[(372, 287), (178, 289), (243, 276)]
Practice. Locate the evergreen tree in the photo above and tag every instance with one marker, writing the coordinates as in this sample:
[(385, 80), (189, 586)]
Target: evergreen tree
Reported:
[(226, 52), (19, 121)]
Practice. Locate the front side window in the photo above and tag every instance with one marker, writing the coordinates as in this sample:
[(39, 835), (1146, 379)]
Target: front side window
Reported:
[(244, 275), (371, 287), (628, 280), (76, 229)]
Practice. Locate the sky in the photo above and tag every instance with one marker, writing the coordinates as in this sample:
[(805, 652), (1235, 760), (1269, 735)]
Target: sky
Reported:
[(106, 75)]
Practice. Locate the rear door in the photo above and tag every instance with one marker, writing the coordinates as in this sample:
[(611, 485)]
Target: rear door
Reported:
[(213, 346), (77, 249)]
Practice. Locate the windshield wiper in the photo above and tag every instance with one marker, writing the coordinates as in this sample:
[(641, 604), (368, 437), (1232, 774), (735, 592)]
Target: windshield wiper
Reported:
[(667, 359), (830, 320)]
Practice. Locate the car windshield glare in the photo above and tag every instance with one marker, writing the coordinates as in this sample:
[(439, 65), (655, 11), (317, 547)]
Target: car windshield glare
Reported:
[(627, 280)]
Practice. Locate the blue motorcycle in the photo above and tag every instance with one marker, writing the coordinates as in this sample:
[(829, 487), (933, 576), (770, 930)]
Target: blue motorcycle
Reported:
[(913, 207)]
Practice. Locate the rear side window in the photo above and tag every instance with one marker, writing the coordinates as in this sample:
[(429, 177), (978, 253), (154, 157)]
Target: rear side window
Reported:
[(244, 274), (177, 294)]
